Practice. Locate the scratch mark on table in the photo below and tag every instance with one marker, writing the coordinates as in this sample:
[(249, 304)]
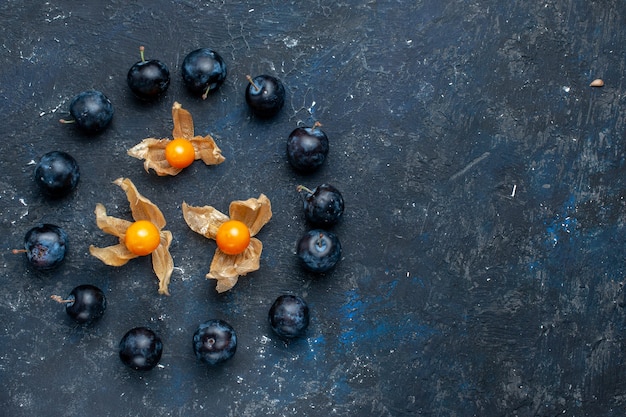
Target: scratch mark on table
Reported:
[(469, 166)]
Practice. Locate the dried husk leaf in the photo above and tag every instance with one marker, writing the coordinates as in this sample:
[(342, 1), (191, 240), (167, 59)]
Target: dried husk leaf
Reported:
[(206, 220), (207, 150), (226, 269), (116, 255), (111, 225), (140, 206), (183, 122), (253, 212), (203, 220), (162, 262), (152, 151)]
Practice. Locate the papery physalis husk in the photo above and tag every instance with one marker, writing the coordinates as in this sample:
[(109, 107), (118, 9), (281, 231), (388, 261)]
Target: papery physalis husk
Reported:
[(152, 150), (254, 213), (141, 209)]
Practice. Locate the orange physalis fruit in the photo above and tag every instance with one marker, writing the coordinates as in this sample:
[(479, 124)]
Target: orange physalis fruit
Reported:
[(184, 147), (180, 153), (233, 237), (139, 238), (254, 213), (142, 237)]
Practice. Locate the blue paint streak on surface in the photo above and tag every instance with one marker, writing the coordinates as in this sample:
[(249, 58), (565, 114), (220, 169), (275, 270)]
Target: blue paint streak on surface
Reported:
[(563, 225), (341, 390), (362, 329), (534, 265), (317, 348)]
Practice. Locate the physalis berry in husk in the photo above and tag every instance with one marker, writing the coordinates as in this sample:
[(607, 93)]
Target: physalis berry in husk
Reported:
[(234, 234), (171, 156), (144, 236)]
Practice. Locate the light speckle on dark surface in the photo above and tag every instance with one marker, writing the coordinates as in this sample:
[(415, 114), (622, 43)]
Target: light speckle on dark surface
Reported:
[(483, 238)]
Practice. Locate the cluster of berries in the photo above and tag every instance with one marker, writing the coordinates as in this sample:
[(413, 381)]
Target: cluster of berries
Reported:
[(57, 174)]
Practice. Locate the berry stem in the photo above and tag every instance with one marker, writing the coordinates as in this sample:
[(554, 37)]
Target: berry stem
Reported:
[(60, 299), (206, 92), (301, 188), (316, 125), (141, 53), (16, 251), (251, 81), (66, 122), (320, 241)]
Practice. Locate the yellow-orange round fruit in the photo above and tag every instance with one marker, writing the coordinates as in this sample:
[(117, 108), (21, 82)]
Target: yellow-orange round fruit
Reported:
[(233, 237), (142, 237), (180, 153)]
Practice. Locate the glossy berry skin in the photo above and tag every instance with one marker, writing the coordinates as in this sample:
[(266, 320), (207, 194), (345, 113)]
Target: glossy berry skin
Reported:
[(86, 303), (289, 316), (265, 95), (45, 246), (57, 174), (148, 79), (319, 250), (203, 71), (307, 148), (180, 153), (232, 237), (140, 349), (142, 237), (323, 206), (214, 342), (92, 111)]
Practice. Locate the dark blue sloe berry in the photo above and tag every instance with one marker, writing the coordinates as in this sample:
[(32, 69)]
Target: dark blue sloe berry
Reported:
[(265, 95), (323, 206), (148, 79), (91, 110), (140, 349), (45, 246), (307, 148), (85, 304), (57, 173), (289, 316), (203, 71), (319, 250), (214, 342)]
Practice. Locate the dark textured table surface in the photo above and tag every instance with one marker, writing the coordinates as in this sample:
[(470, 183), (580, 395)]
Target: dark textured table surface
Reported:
[(483, 263)]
